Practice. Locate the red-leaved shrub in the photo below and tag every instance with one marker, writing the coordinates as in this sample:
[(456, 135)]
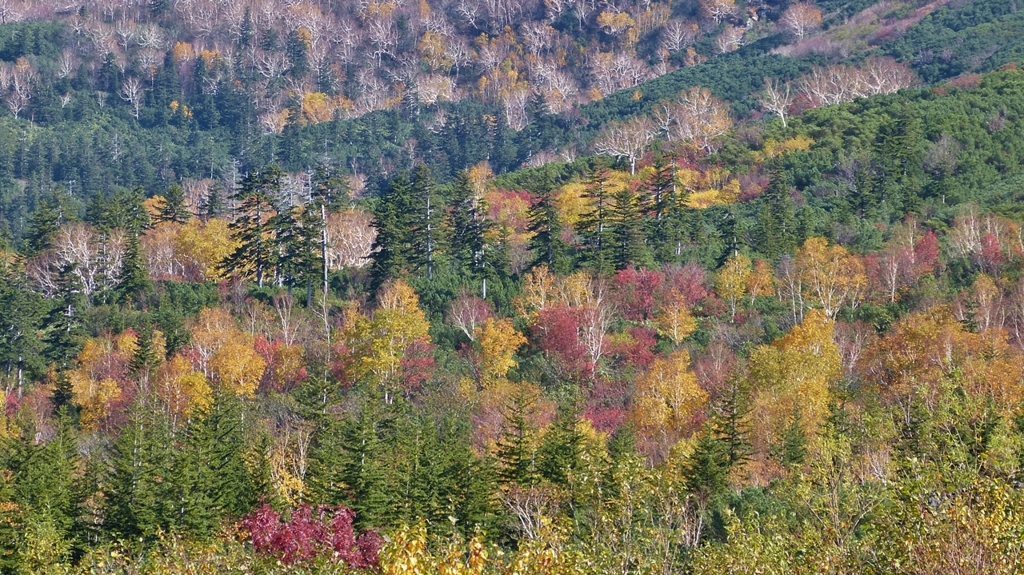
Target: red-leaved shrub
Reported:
[(310, 533)]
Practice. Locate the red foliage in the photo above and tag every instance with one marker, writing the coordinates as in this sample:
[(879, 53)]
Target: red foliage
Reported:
[(560, 337), (638, 352), (607, 406), (341, 368), (634, 292), (309, 533), (967, 82), (690, 281), (992, 256), (926, 253), (417, 365)]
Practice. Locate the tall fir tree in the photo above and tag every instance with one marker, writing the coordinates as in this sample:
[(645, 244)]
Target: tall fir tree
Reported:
[(517, 449), (595, 226), (140, 492), (393, 219), (427, 233), (20, 345), (173, 208), (65, 334), (254, 257), (776, 232), (547, 244), (134, 282), (467, 228), (629, 246)]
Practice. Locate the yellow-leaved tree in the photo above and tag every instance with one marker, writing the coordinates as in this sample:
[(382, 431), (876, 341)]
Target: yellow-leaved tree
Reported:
[(379, 343), (831, 276), (667, 398), (499, 342), (225, 354), (674, 320), (732, 279), (793, 375)]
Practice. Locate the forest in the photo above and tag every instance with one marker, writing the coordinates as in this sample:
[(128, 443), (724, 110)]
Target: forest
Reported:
[(476, 287)]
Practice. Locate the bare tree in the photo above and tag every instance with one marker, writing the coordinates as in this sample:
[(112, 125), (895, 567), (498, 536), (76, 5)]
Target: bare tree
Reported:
[(468, 312), (677, 35), (776, 98), (717, 10), (801, 18), (730, 39), (884, 75), (627, 140), (131, 92)]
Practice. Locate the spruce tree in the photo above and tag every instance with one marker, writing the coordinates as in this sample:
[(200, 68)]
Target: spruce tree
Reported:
[(517, 454), (560, 450), (254, 257), (139, 488), (426, 237), (365, 468), (596, 226), (44, 476), (20, 345), (213, 205), (626, 219), (173, 208), (546, 242), (393, 220), (134, 282), (467, 227), (65, 335), (777, 219)]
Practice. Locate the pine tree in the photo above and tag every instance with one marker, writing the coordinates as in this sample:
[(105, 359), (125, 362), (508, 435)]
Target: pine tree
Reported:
[(20, 322), (468, 228), (596, 227), (729, 424), (139, 486), (65, 335), (44, 476), (126, 211), (428, 217), (792, 447), (43, 224), (145, 358), (546, 242), (517, 454), (173, 208), (627, 222), (254, 256), (559, 452), (365, 468), (392, 220), (213, 205), (899, 156), (134, 282), (777, 219)]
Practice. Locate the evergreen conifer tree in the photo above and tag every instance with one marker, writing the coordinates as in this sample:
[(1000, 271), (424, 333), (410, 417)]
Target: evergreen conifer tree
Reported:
[(517, 452), (467, 226), (777, 219), (393, 220), (65, 334), (139, 487), (546, 242), (427, 238), (134, 282), (254, 257), (174, 208), (596, 227), (626, 219)]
